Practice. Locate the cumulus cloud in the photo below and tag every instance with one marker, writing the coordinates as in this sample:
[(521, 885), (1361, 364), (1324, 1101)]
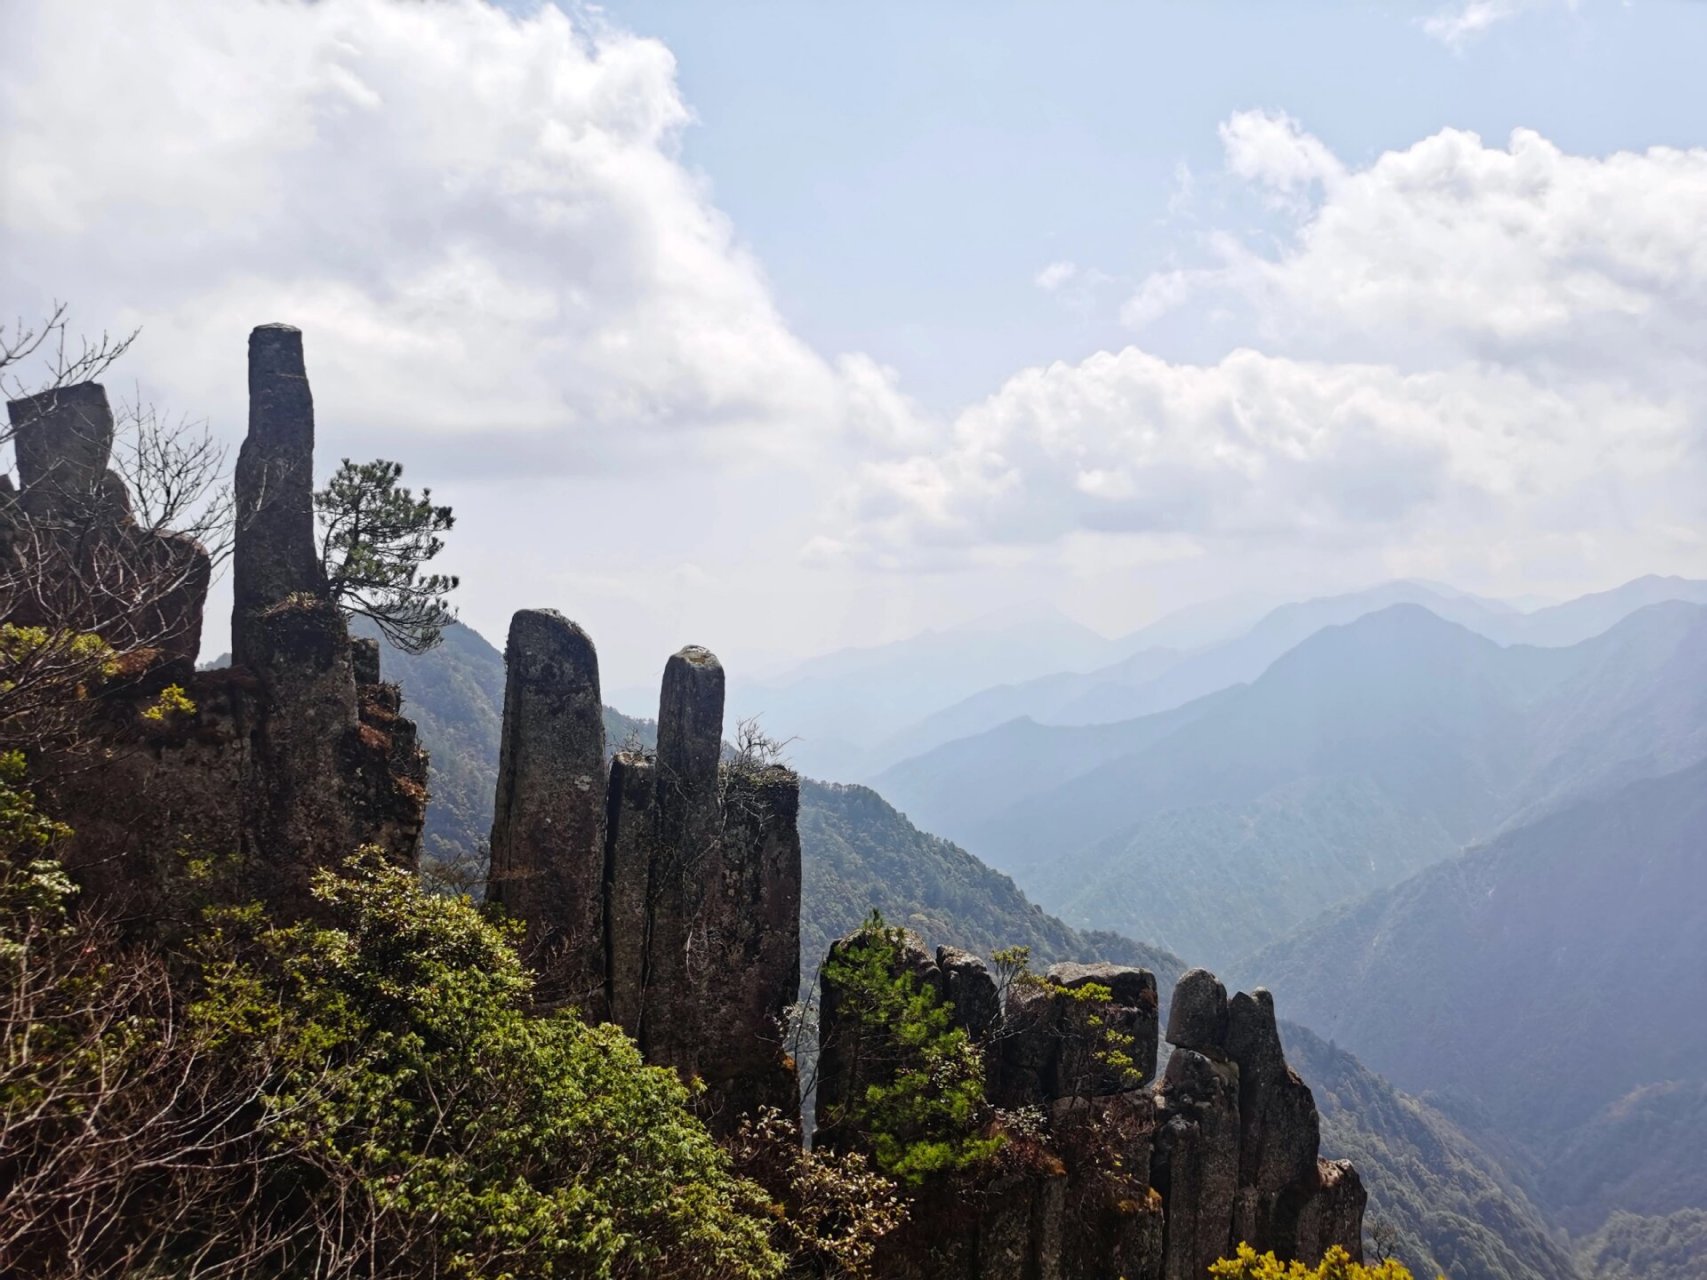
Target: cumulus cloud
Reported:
[(1455, 345), (479, 219), (1272, 149)]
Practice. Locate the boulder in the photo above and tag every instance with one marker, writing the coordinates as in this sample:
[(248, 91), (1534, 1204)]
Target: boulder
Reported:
[(1197, 1016)]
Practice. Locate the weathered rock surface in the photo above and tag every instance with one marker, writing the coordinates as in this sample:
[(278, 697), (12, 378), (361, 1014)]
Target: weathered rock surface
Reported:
[(1195, 1165), (968, 986), (1330, 1212), (1101, 1177), (1197, 1015), (548, 826), (1279, 1131), (75, 556), (274, 557), (666, 896), (1055, 1045), (631, 842)]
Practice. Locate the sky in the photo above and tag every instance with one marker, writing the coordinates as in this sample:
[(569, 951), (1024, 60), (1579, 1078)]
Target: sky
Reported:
[(781, 327)]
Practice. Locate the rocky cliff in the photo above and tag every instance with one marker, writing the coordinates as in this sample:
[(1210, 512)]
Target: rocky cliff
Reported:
[(1119, 1174), (289, 759)]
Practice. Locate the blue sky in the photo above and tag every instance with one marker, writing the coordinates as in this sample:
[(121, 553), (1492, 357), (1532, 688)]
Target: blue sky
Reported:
[(781, 327), (904, 170)]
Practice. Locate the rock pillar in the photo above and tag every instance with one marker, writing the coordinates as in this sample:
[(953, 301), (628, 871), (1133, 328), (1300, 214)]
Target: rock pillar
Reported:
[(754, 936), (685, 862), (1195, 1163), (1279, 1131), (548, 824), (323, 776), (274, 557), (631, 843)]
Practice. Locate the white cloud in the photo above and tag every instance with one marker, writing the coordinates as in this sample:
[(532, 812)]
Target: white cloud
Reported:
[(1457, 25), (1054, 276), (1272, 149), (479, 220), (1471, 351)]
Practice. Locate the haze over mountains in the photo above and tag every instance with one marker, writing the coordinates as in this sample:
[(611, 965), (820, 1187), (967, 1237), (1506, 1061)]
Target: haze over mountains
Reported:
[(1365, 753), (857, 712)]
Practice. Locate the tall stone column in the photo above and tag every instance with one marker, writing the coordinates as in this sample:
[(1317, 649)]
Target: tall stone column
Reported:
[(705, 965), (273, 555), (1279, 1131), (286, 632), (548, 822), (685, 861)]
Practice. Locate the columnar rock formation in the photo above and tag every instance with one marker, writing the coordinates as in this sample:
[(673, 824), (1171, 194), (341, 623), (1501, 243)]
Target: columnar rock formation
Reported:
[(1129, 1177), (548, 824), (671, 889), (322, 778), (294, 756)]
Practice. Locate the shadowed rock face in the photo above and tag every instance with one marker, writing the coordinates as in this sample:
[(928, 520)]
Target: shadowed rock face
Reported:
[(1279, 1131), (77, 558), (1052, 1042), (548, 838), (1144, 1183), (332, 767), (1197, 1016), (274, 553), (667, 896), (1196, 1161), (63, 441), (631, 842)]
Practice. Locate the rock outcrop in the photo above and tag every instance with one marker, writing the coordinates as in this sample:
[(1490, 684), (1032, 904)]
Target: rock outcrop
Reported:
[(670, 889), (1116, 1174), (74, 555), (294, 756)]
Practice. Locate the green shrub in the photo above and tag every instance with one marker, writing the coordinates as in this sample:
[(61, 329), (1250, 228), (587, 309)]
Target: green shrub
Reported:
[(924, 1114)]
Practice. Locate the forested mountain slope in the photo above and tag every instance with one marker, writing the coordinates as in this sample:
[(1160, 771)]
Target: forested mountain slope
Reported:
[(1451, 1207), (1546, 975)]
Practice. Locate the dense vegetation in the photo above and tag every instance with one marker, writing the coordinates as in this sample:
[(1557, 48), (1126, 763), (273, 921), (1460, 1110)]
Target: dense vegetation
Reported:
[(366, 1091), (1247, 1264), (1631, 1247)]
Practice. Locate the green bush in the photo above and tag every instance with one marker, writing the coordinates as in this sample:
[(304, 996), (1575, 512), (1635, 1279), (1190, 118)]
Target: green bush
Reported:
[(369, 1092)]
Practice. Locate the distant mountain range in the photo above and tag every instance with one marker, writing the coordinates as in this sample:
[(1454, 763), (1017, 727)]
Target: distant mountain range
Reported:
[(1365, 753), (859, 711)]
